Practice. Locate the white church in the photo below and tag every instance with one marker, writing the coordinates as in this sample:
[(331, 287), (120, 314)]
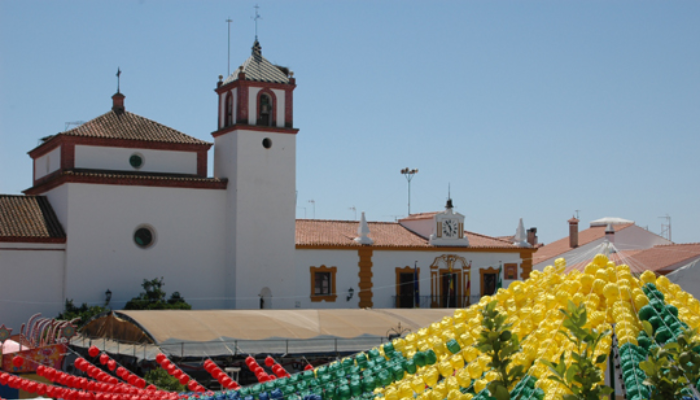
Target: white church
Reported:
[(123, 198)]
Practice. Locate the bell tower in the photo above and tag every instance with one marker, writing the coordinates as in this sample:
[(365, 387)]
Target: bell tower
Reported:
[(255, 149)]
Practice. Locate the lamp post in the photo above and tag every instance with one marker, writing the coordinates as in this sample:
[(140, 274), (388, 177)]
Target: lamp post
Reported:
[(108, 297), (409, 173)]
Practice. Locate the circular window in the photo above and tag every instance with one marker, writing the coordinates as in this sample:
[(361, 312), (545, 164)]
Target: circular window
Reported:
[(136, 160), (267, 143), (143, 237)]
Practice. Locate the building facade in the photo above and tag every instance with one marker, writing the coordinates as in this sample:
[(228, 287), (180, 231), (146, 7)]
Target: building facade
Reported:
[(123, 198)]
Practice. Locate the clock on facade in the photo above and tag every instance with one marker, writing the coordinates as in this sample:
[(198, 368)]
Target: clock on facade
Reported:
[(450, 228)]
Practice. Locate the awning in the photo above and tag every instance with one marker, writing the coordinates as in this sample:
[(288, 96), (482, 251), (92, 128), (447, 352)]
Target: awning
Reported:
[(194, 333)]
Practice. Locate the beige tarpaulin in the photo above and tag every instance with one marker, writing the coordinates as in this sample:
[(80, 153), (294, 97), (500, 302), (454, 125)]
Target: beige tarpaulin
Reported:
[(210, 332)]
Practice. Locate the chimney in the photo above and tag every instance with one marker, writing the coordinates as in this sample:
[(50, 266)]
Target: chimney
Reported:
[(118, 103), (532, 236), (610, 233), (573, 233)]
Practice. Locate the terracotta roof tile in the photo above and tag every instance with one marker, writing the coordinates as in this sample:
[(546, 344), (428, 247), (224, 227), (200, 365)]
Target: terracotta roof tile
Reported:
[(384, 234), (425, 215), (129, 126), (28, 217), (561, 246), (660, 257)]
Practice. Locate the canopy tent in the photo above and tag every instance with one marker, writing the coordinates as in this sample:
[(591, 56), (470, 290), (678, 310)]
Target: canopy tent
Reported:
[(196, 333), (688, 277)]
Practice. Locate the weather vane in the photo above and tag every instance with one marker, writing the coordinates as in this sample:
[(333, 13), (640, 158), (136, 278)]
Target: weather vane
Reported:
[(256, 18), (119, 73)]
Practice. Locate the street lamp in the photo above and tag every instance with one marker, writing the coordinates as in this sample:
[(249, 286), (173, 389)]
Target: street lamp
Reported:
[(108, 297), (409, 173)]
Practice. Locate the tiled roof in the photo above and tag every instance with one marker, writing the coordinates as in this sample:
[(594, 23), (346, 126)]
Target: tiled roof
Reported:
[(129, 126), (385, 234), (662, 256), (258, 68), (28, 217), (561, 246), (425, 215)]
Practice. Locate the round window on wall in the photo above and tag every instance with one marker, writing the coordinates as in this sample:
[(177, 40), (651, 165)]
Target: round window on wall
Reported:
[(136, 160), (267, 143), (144, 237)]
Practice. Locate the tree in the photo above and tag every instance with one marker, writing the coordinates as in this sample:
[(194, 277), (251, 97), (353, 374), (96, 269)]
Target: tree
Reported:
[(672, 367), (84, 312), (582, 377), (164, 381), (500, 344), (154, 298)]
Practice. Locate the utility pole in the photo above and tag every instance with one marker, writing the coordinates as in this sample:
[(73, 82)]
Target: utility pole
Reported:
[(409, 174)]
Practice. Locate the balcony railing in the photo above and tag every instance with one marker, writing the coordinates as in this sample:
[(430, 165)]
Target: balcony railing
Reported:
[(408, 301)]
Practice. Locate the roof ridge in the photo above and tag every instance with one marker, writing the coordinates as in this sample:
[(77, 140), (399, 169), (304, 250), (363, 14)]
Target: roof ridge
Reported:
[(106, 124)]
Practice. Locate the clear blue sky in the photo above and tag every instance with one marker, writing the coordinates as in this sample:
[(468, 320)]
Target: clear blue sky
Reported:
[(528, 109)]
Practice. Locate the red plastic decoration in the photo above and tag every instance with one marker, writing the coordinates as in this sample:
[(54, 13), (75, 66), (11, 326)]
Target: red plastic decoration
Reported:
[(160, 357), (209, 367), (93, 351), (104, 358), (308, 367), (17, 361), (112, 365), (249, 361), (269, 361), (184, 379)]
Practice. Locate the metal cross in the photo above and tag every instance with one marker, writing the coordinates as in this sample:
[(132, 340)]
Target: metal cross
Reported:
[(119, 73), (256, 18)]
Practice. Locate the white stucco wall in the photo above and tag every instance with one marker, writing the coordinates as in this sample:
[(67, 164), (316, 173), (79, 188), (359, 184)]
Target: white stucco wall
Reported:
[(260, 215), (31, 281), (279, 94), (47, 163), (58, 197), (253, 105), (423, 227), (117, 159), (222, 106), (346, 277), (188, 251), (384, 264)]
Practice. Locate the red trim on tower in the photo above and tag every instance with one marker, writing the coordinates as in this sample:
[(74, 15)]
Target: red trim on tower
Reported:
[(202, 163), (31, 239), (126, 180), (243, 113), (61, 140), (67, 156), (243, 127), (288, 108), (241, 82)]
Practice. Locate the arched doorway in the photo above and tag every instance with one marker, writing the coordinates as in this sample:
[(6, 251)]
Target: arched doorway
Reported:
[(449, 281)]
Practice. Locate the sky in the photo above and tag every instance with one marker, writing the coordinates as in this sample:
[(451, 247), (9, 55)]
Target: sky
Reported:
[(523, 109)]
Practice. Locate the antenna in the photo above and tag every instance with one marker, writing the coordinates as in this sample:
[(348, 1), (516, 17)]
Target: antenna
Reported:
[(228, 21), (256, 18), (73, 123), (448, 191), (354, 210), (577, 214), (312, 201), (666, 228)]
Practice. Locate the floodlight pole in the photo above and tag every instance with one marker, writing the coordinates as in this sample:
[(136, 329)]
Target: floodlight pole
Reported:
[(409, 174)]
